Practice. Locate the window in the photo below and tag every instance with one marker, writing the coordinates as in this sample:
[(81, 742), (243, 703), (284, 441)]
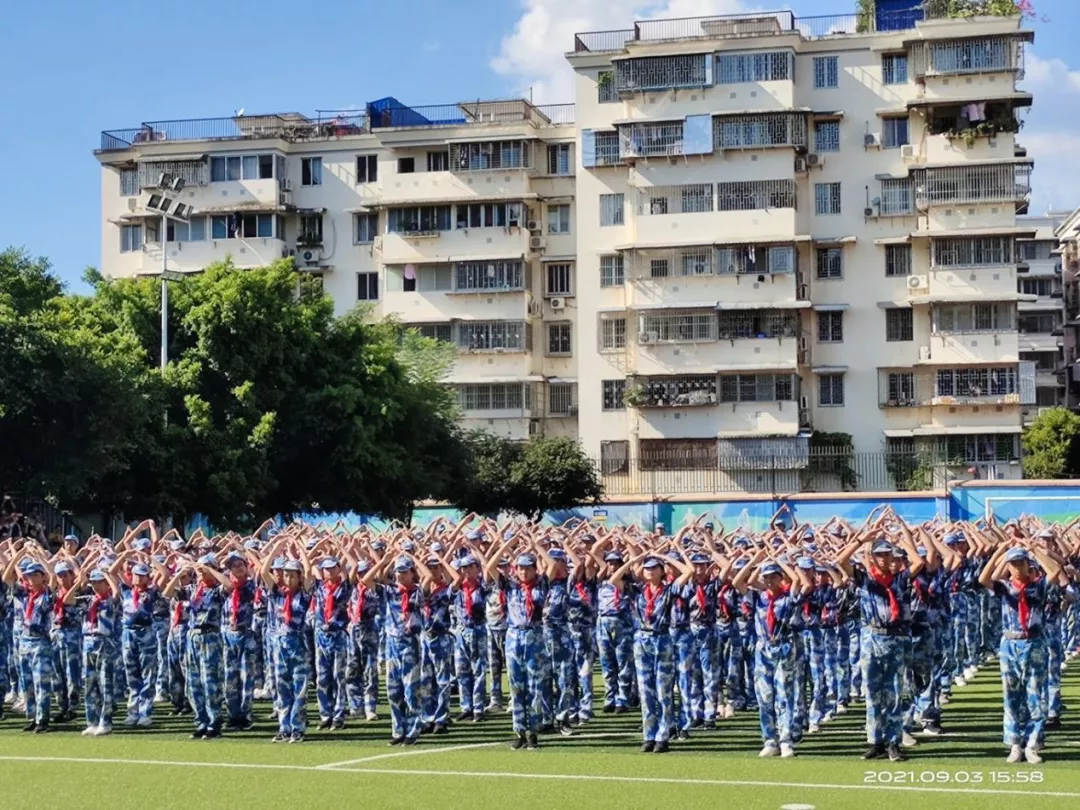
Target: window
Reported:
[(967, 383), (311, 171), (130, 238), (560, 399), (438, 161), (442, 332), (612, 334), (1042, 287), (558, 218), (897, 260), (758, 324), (482, 336), (606, 145), (367, 228), (826, 72), (611, 271), (899, 325), (894, 132), (967, 318), (419, 219), (614, 458), (900, 387), (830, 390), (659, 268), (241, 226), (429, 278), (605, 87), (494, 397), (490, 155), (193, 231), (611, 209), (367, 288), (826, 198), (558, 338), (559, 279), (489, 275), (894, 68), (612, 394), (311, 229), (739, 68), (985, 448), (826, 136), (129, 182), (241, 167), (367, 168), (406, 165), (681, 327), (897, 197), (558, 155), (679, 454), (750, 195), (757, 387), (830, 263), (830, 327), (489, 215), (973, 252)]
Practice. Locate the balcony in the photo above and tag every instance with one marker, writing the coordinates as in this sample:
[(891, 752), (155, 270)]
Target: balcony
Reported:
[(766, 131), (967, 57), (946, 387), (956, 185), (694, 391)]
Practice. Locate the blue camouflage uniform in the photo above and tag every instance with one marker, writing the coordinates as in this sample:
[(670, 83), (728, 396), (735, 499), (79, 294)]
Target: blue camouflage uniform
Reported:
[(774, 664), (496, 641), (292, 670), (438, 657), (139, 647), (99, 655), (683, 646), (882, 645), (1023, 659), (923, 670), (469, 603), (701, 600), (205, 655), (654, 656), (615, 644), (176, 649), (559, 677), (241, 649), (36, 612), (524, 648), (829, 621), (362, 678), (403, 612), (330, 613), (67, 646), (581, 612)]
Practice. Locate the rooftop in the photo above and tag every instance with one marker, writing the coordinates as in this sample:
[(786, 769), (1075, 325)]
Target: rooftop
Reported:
[(385, 113)]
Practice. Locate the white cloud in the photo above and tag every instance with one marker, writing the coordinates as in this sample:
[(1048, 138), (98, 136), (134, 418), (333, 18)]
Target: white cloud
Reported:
[(1056, 182), (533, 55), (1051, 74)]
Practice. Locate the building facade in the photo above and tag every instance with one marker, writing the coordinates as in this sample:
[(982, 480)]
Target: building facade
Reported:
[(746, 230)]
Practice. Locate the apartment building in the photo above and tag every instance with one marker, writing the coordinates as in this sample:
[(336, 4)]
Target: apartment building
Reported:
[(789, 225), (1067, 234), (458, 219), (1042, 322)]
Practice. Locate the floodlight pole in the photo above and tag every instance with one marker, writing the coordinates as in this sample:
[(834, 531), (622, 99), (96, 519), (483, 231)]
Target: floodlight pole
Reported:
[(164, 292)]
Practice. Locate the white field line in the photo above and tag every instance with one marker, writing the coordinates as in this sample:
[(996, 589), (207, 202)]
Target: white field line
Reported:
[(570, 777), (409, 752)]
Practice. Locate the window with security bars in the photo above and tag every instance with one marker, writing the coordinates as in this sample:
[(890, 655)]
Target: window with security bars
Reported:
[(894, 132), (993, 381), (995, 182), (561, 399), (751, 195), (830, 390), (605, 87), (826, 72), (559, 279), (491, 275), (611, 209), (899, 325), (558, 158), (442, 332), (900, 391), (1042, 287), (478, 336), (606, 145), (685, 327), (418, 219), (659, 268), (897, 260), (897, 198), (677, 392), (612, 334), (129, 182), (830, 263), (826, 198), (696, 262), (612, 273), (827, 136), (614, 458), (662, 72), (757, 324), (978, 448), (612, 393), (689, 199), (757, 387), (488, 215), (494, 397), (558, 339), (967, 318), (830, 327), (1041, 323), (766, 66), (970, 56), (984, 251), (894, 68), (489, 155), (758, 131), (755, 260), (678, 454), (651, 139)]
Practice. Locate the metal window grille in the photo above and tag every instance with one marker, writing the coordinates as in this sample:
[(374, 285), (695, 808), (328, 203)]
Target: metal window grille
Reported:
[(489, 215), (1040, 323), (767, 66), (827, 136), (899, 325), (560, 278), (830, 390), (678, 454), (659, 268), (419, 219), (897, 198), (988, 54), (826, 198), (615, 457), (830, 263), (612, 209), (476, 336), (493, 275), (894, 132), (558, 155), (612, 392), (897, 260), (559, 340), (896, 389), (1002, 182), (606, 145), (759, 131), (689, 199), (494, 397), (676, 392), (682, 327), (983, 251), (966, 318), (612, 272), (561, 399), (755, 260), (490, 155), (129, 182), (894, 68), (826, 71), (193, 172), (651, 140), (757, 387), (605, 87), (752, 195), (830, 327), (757, 324), (661, 72), (975, 383), (696, 262), (978, 448), (442, 332), (612, 334)]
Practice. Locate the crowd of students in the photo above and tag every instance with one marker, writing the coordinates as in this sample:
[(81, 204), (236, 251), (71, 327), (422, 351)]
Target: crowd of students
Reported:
[(796, 621)]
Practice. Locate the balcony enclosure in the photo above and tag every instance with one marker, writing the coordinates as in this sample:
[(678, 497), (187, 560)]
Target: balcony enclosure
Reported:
[(493, 336), (677, 326), (192, 172), (758, 324), (1012, 384), (662, 72), (759, 131), (687, 391), (660, 264), (696, 198), (964, 57), (979, 251), (991, 183), (973, 318), (970, 120), (495, 397), (489, 156)]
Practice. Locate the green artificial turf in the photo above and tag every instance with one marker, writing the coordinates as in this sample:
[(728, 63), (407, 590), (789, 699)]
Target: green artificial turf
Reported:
[(161, 768)]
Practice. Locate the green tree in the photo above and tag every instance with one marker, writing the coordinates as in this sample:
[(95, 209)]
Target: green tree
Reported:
[(1051, 445)]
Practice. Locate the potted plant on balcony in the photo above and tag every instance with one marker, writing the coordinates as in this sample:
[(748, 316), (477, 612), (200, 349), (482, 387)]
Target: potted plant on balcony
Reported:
[(634, 396), (308, 239)]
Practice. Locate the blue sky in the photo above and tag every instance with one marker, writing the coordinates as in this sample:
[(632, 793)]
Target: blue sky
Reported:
[(72, 68)]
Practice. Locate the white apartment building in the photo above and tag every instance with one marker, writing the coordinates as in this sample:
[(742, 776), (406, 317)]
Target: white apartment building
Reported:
[(1042, 321), (746, 229), (789, 225), (455, 218)]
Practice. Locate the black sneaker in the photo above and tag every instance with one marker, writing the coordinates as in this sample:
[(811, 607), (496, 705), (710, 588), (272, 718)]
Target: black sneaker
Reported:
[(518, 743), (564, 728), (212, 733), (30, 726), (42, 728), (297, 737), (337, 725), (609, 708), (874, 752), (325, 724), (710, 725), (697, 723), (441, 728), (396, 741), (622, 710), (232, 724), (683, 734), (245, 724), (198, 734), (412, 740), (428, 728), (895, 754), (647, 747), (1053, 723), (461, 718), (279, 737), (478, 716), (531, 742), (547, 728), (661, 747)]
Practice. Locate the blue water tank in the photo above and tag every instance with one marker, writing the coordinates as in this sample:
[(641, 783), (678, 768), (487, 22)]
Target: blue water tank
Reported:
[(897, 15)]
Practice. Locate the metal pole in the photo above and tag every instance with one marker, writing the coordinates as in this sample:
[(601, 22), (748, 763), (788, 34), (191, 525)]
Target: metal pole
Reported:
[(164, 293)]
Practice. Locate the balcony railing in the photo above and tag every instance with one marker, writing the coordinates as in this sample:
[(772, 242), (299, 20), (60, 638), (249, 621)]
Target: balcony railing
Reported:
[(693, 391), (759, 131), (968, 56), (1002, 182), (981, 385)]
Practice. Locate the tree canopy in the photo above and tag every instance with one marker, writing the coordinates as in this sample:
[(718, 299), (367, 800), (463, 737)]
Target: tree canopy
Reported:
[(1052, 445)]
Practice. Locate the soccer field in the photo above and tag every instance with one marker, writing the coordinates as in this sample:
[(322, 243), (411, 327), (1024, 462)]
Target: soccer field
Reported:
[(599, 767)]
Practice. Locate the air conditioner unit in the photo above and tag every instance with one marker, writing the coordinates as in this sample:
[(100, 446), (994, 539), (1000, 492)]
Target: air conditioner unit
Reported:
[(535, 309), (802, 292), (182, 211), (165, 180), (915, 283), (286, 184), (868, 212), (804, 403), (178, 184), (924, 353), (814, 159), (800, 164), (558, 304), (132, 204), (533, 226), (871, 139), (309, 256), (907, 151), (536, 243), (647, 337)]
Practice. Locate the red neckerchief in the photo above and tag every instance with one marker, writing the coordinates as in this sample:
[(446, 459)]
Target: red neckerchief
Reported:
[(920, 589), (329, 590), (467, 592), (287, 607), (197, 599), (502, 601), (178, 613), (404, 602), (582, 592), (1023, 608), (435, 591), (358, 610), (886, 581), (770, 614), (58, 608), (32, 598), (616, 598), (237, 585), (136, 593), (530, 606), (721, 601), (94, 606), (651, 596), (700, 593)]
